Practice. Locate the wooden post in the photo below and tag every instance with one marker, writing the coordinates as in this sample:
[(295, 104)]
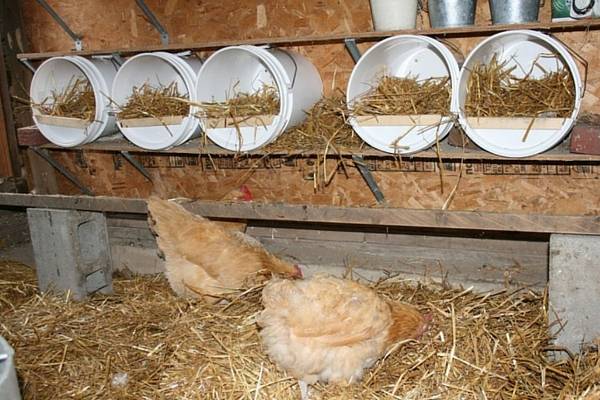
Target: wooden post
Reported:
[(574, 305), (14, 79)]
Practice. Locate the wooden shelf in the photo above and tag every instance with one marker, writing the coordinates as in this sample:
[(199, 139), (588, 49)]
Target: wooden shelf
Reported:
[(117, 143), (476, 30)]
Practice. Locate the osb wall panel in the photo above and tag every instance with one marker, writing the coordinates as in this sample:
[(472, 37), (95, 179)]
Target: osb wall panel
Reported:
[(559, 188), (118, 23), (502, 187)]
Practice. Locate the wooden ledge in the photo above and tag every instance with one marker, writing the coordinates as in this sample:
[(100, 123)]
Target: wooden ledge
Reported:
[(63, 122), (401, 120)]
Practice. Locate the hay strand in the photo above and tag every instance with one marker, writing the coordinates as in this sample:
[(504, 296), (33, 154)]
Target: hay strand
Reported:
[(264, 101), (493, 90), (406, 96), (76, 100), (147, 101)]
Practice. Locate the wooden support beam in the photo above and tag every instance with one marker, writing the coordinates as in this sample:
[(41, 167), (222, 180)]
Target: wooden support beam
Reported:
[(392, 217)]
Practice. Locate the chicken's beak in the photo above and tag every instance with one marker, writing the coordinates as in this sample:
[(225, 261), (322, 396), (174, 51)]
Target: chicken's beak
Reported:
[(427, 320), (297, 272)]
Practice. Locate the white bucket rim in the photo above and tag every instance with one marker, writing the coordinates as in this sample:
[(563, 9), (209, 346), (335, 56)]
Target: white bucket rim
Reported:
[(482, 141), (101, 97), (192, 123), (188, 126), (284, 89), (443, 129), (94, 130)]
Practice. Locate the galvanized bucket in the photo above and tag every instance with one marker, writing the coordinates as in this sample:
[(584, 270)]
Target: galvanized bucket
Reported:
[(514, 11), (447, 13)]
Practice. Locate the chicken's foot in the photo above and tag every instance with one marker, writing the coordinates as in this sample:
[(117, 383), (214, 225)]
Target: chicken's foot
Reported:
[(303, 389)]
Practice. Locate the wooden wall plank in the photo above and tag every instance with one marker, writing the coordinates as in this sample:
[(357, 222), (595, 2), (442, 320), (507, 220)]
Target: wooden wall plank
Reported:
[(43, 176), (465, 259), (6, 167), (566, 26)]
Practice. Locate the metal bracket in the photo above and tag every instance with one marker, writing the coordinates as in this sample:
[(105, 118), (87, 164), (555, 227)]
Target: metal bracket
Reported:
[(118, 59), (67, 174), (136, 164), (115, 58), (164, 35), (76, 37), (28, 64), (350, 44), (359, 161)]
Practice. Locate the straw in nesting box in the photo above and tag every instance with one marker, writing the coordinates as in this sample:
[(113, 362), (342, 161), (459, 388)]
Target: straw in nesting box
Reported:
[(147, 101), (325, 123), (265, 101), (494, 91), (76, 100), (143, 342), (325, 130), (406, 96)]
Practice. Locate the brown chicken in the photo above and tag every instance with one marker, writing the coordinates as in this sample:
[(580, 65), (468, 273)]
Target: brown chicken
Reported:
[(202, 258), (330, 329)]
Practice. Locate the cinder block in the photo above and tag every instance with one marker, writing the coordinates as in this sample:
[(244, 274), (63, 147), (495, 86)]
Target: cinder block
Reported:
[(574, 290), (71, 251)]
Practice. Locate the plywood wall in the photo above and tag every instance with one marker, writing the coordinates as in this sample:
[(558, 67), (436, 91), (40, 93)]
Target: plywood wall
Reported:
[(495, 186), (111, 24)]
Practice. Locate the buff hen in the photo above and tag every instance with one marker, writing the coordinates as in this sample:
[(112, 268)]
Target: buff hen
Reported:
[(330, 330), (203, 258)]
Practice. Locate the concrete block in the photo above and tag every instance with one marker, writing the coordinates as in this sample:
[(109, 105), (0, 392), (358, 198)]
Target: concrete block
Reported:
[(574, 288), (71, 251)]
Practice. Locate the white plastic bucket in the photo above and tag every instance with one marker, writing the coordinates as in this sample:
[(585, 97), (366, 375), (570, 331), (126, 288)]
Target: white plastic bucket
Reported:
[(522, 49), (392, 15), (57, 73), (157, 69), (9, 386), (248, 69), (403, 56)]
